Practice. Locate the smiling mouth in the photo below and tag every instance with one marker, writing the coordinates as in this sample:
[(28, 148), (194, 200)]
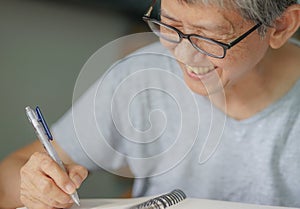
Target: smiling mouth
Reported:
[(199, 70)]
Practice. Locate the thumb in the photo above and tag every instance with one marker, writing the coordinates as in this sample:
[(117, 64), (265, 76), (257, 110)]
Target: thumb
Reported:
[(77, 174)]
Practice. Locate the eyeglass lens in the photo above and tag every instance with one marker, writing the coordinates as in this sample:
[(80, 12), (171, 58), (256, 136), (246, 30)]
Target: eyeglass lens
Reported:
[(171, 35)]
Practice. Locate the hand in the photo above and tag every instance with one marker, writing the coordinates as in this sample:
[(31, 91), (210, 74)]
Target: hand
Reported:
[(45, 185)]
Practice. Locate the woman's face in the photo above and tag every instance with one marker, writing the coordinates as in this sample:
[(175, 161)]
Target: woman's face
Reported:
[(201, 72)]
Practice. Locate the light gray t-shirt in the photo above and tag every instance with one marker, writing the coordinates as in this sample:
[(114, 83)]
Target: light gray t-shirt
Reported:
[(142, 115)]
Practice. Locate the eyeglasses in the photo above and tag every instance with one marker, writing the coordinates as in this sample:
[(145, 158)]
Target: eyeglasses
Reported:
[(204, 45)]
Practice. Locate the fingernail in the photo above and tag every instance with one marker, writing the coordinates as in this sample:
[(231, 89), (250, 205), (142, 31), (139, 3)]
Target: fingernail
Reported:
[(70, 188), (77, 180)]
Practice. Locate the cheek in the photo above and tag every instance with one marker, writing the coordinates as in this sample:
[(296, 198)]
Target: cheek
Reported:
[(169, 45), (244, 58)]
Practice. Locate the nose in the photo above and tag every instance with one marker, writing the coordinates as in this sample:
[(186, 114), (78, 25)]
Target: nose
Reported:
[(187, 54)]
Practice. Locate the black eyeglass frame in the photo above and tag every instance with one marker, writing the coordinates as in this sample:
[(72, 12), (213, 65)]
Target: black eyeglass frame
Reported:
[(225, 46)]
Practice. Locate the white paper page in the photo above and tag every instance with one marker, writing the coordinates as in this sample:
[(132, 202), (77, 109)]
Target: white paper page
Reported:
[(193, 203), (89, 203), (114, 203), (92, 203)]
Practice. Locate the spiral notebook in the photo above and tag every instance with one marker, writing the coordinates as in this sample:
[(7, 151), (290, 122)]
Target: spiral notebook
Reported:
[(158, 202), (173, 200), (162, 201)]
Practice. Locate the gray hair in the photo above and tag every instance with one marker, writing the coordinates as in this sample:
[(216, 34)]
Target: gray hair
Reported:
[(258, 11)]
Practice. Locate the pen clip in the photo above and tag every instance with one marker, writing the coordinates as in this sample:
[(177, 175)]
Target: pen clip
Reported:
[(43, 122)]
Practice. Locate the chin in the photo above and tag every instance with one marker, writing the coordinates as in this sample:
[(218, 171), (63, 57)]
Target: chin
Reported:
[(201, 90), (204, 89)]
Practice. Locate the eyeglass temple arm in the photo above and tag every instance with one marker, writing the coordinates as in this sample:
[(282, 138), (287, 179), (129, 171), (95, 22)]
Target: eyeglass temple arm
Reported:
[(231, 44), (148, 13)]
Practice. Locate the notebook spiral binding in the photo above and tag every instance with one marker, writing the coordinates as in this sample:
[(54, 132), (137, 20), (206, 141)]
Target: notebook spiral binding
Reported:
[(162, 201)]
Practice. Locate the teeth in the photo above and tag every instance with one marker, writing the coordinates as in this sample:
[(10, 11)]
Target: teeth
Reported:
[(200, 70)]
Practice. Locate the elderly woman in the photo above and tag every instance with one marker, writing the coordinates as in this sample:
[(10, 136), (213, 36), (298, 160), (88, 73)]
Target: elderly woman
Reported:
[(235, 54)]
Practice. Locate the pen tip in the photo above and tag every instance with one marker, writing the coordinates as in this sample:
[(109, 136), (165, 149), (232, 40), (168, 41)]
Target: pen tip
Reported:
[(76, 198), (77, 202)]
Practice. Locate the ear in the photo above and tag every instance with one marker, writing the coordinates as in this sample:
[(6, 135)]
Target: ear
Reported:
[(285, 26)]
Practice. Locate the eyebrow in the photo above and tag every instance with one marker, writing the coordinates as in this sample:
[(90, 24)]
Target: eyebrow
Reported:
[(164, 14), (206, 26)]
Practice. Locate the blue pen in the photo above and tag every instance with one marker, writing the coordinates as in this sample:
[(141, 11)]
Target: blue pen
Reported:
[(43, 133)]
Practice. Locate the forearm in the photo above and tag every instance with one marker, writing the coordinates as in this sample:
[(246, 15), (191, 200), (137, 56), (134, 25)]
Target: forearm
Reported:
[(10, 181)]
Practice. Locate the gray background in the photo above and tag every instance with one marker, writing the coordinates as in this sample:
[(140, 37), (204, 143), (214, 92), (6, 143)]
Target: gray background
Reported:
[(43, 46)]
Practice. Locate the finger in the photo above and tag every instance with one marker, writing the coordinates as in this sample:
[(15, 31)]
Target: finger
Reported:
[(77, 174), (32, 203), (57, 174), (43, 162), (54, 195)]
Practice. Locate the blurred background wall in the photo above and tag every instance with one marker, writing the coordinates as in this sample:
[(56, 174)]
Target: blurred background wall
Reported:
[(43, 46)]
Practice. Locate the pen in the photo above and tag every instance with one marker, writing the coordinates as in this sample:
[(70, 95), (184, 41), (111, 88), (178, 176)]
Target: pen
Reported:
[(43, 133)]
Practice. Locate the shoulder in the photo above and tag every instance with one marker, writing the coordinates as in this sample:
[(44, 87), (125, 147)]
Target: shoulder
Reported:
[(155, 47), (295, 41), (152, 52), (154, 57)]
